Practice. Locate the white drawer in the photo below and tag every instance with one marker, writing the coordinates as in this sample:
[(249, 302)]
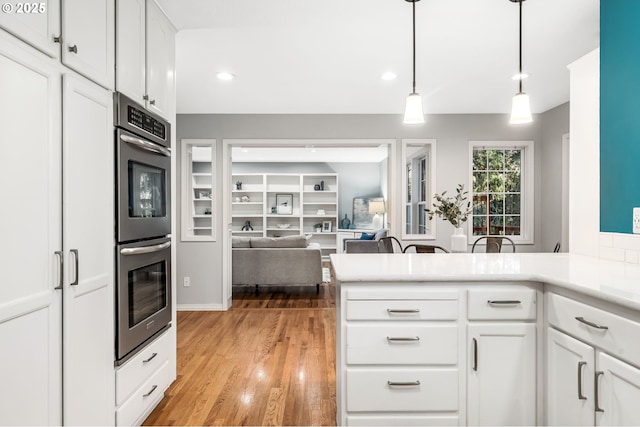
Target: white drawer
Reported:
[(402, 310), (621, 338), (403, 420), (145, 398), (369, 390), (421, 344), (501, 304), (131, 375)]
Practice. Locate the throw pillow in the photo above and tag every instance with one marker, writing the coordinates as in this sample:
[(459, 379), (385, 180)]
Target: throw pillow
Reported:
[(366, 236)]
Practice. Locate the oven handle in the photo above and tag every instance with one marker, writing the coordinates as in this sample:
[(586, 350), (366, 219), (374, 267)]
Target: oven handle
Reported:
[(146, 145), (145, 249)]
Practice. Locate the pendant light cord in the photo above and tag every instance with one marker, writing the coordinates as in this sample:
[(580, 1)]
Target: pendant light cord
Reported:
[(414, 46), (520, 46)]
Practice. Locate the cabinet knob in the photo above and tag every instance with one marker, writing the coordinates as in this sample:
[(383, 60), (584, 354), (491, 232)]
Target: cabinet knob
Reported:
[(57, 39), (73, 49), (152, 102), (145, 97)]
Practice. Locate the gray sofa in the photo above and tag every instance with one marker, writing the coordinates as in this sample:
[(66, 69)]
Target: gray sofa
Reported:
[(359, 246), (289, 260)]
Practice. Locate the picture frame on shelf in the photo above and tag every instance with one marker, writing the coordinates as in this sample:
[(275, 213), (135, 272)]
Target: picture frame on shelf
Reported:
[(204, 194), (284, 204), (326, 226)]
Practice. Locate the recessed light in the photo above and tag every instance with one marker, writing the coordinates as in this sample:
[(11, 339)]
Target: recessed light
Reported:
[(223, 75), (519, 76), (388, 76)]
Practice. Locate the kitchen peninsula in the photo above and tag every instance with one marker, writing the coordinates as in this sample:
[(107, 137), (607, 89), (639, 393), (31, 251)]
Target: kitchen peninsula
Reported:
[(476, 339)]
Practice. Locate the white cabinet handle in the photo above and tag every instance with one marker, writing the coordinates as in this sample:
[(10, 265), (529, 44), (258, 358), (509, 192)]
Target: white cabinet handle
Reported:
[(588, 323), (580, 366)]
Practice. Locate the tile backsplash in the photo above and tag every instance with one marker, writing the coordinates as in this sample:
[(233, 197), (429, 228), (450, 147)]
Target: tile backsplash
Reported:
[(620, 247)]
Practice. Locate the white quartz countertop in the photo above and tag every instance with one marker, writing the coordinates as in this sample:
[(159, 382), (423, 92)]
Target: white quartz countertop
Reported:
[(612, 281)]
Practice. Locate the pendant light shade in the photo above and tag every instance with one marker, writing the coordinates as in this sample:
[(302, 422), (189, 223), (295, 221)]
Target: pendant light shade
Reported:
[(520, 109), (413, 112)]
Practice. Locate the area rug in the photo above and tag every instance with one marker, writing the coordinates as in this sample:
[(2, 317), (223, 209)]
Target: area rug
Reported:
[(326, 275)]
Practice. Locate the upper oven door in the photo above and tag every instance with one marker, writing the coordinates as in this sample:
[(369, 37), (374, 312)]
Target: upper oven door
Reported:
[(144, 196)]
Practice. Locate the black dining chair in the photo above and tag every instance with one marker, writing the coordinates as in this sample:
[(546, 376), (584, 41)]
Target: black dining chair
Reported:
[(494, 243), (424, 249), (389, 245)]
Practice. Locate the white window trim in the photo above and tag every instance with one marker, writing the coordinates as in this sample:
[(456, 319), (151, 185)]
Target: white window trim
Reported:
[(527, 219), (431, 225)]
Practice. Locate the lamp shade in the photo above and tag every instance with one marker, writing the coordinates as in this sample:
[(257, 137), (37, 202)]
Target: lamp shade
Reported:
[(520, 110), (376, 206), (413, 113)]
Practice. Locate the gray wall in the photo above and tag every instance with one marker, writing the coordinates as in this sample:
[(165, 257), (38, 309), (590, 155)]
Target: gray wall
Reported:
[(202, 261)]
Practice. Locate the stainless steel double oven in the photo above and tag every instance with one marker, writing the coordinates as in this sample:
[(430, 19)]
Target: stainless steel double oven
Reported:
[(143, 226)]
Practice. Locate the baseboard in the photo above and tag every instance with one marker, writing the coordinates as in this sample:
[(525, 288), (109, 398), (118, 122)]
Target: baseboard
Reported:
[(200, 307)]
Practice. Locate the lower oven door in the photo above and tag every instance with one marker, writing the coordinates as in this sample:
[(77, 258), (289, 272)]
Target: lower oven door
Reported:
[(143, 299)]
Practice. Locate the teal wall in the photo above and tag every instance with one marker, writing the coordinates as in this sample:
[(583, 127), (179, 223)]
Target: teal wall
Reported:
[(619, 113)]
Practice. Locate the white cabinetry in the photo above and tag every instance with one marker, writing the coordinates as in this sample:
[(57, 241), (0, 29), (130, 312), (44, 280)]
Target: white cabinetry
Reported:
[(39, 29), (50, 308), (31, 229), (502, 375), (88, 39), (145, 55), (398, 356), (88, 206), (596, 386)]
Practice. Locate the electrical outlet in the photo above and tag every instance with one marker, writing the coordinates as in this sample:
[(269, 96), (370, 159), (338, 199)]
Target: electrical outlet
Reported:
[(186, 281), (636, 220)]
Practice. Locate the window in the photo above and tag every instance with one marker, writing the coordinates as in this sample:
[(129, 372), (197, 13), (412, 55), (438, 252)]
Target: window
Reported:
[(502, 189), (418, 178)]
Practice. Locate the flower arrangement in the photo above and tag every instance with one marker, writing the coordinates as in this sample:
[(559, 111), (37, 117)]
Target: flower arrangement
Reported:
[(454, 209)]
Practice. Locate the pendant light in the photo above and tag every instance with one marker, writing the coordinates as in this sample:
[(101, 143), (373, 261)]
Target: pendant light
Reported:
[(520, 109), (413, 113)]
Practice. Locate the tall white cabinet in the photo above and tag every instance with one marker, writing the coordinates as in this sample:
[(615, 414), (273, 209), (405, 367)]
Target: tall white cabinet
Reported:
[(31, 229), (56, 307)]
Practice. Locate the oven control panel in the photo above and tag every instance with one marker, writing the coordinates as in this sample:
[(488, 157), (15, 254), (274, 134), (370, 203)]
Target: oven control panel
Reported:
[(144, 121)]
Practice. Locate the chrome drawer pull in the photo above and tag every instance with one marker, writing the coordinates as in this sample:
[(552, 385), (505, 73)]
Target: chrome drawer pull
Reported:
[(504, 302), (593, 325), (475, 354), (403, 338), (403, 311), (595, 392), (403, 384), (580, 366), (150, 358), (150, 391)]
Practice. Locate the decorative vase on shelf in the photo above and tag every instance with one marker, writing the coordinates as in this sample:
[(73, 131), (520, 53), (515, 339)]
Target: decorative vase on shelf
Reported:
[(345, 222), (458, 240)]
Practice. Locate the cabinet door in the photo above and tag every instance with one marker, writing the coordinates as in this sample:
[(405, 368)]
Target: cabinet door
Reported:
[(160, 62), (88, 39), (38, 26), (618, 393), (31, 230), (130, 48), (502, 374), (570, 368), (88, 212)]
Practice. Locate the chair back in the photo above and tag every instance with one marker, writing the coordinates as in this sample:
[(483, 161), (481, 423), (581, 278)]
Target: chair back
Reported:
[(389, 245), (494, 243), (424, 249), (557, 248)]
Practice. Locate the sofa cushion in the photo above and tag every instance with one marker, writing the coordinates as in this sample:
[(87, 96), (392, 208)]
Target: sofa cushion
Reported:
[(380, 234), (241, 242), (298, 241)]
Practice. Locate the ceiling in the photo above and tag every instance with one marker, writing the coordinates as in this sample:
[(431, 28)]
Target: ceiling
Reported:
[(327, 56)]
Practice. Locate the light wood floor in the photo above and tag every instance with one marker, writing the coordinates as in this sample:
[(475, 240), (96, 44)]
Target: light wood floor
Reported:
[(270, 360)]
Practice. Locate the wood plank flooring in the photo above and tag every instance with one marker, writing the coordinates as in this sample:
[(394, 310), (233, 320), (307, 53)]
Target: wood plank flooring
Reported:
[(270, 360)]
